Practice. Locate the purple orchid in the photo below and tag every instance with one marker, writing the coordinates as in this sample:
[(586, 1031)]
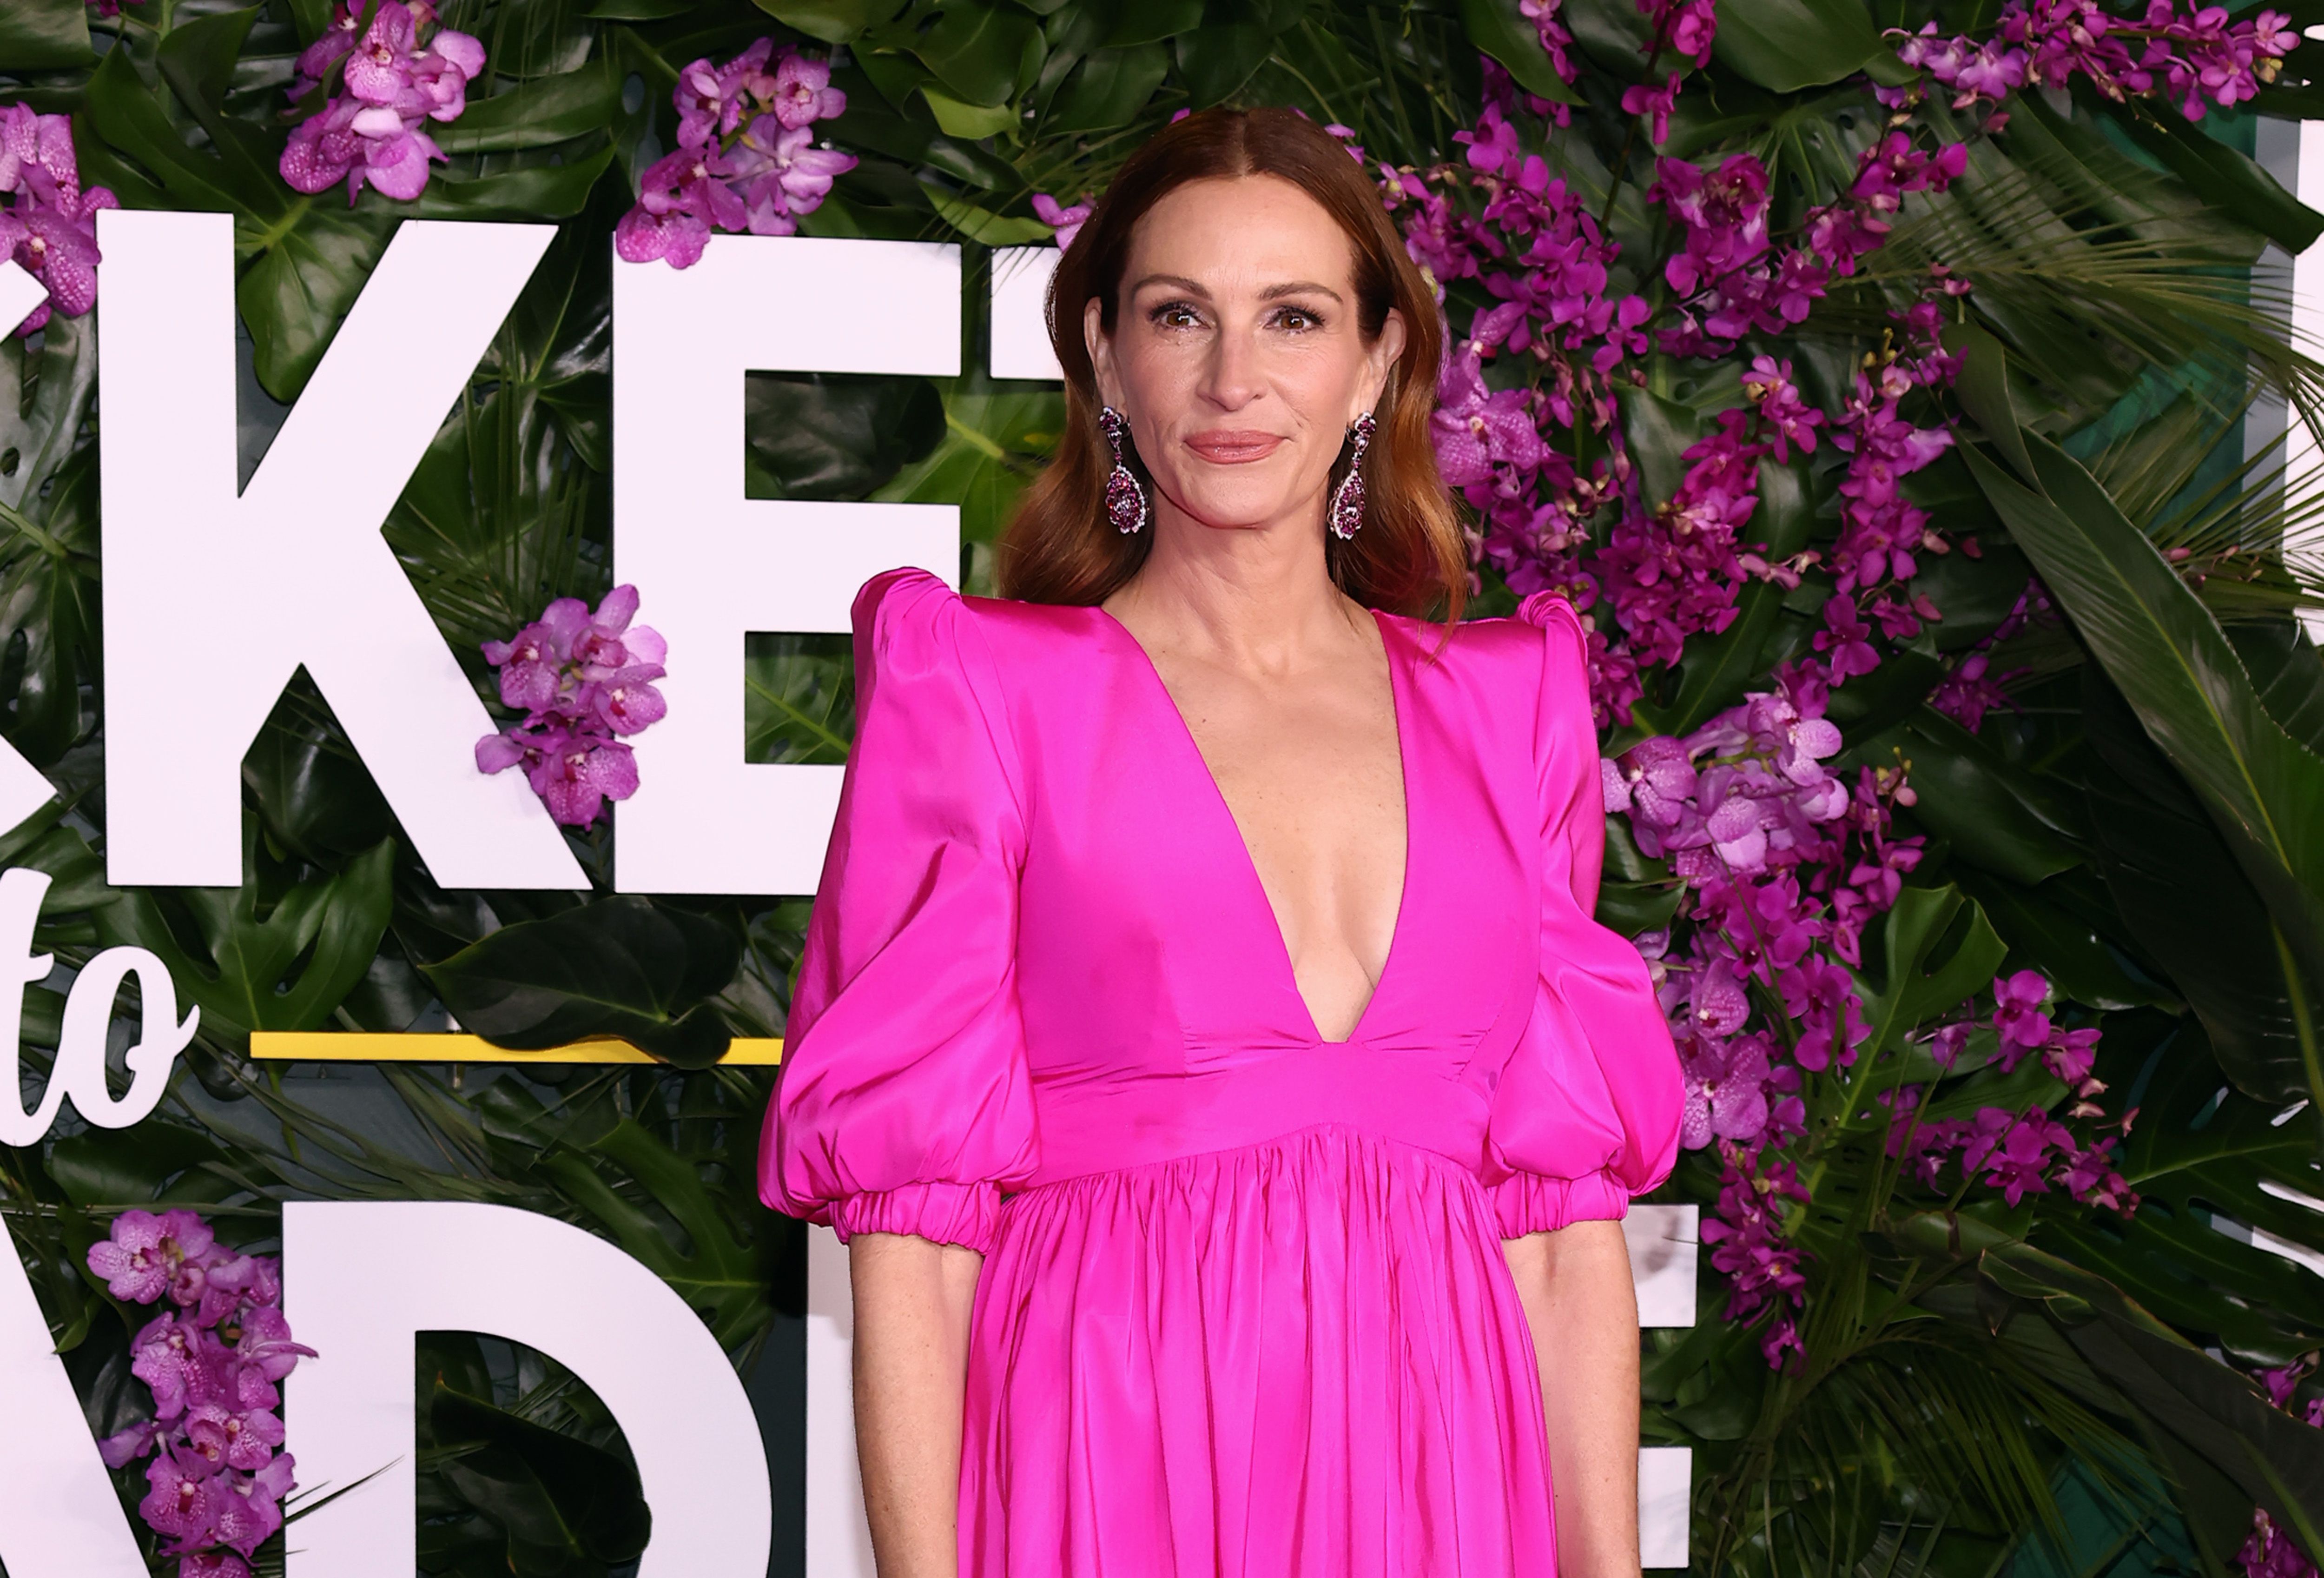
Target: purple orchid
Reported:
[(146, 1253), (746, 157), (802, 93), (50, 230), (583, 678), (1066, 220), (373, 134), (182, 1499), (216, 1479), (782, 175), (1726, 1091), (212, 1563), (711, 100), (2199, 57)]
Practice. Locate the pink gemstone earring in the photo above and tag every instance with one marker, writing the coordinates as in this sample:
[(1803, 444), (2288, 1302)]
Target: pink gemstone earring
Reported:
[(1347, 511), (1125, 500)]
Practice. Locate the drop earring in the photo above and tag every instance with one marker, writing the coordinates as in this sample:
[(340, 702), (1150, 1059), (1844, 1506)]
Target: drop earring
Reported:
[(1347, 511), (1125, 500)]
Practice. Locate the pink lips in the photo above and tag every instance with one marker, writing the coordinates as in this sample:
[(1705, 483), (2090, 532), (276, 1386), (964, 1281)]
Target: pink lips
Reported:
[(1221, 447)]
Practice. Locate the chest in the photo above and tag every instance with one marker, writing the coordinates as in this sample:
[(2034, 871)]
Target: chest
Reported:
[(1311, 771), (1165, 843)]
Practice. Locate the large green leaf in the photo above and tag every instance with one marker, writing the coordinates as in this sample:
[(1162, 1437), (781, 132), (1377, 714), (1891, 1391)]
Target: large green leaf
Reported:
[(260, 957), (624, 967), (1790, 44), (1108, 89), (835, 21), (48, 540), (2226, 178), (2180, 673), (2195, 1151), (2187, 901), (994, 440), (39, 35), (304, 259), (133, 1167), (538, 113), (2212, 1412), (558, 1498), (1996, 814), (1938, 948), (826, 436)]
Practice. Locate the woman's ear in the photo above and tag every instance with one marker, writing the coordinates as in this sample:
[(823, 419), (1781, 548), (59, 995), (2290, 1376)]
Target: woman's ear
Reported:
[(1101, 352), (1378, 357)]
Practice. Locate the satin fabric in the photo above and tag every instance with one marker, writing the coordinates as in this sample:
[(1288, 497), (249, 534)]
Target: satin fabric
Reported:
[(1244, 1310)]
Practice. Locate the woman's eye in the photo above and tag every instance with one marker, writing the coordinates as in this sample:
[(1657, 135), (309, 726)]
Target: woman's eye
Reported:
[(1176, 315), (1299, 320)]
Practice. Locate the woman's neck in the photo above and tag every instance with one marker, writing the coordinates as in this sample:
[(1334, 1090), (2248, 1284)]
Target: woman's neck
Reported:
[(1255, 598)]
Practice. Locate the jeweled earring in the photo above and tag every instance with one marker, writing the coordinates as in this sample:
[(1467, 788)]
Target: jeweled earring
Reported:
[(1347, 511), (1125, 500)]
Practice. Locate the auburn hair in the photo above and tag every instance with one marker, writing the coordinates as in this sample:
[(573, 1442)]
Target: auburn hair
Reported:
[(1410, 557)]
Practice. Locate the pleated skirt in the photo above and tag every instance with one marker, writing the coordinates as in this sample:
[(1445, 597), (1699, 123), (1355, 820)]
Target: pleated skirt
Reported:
[(1300, 1359)]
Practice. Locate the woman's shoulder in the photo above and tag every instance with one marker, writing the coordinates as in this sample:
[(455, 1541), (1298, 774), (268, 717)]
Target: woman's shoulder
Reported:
[(914, 607), (1543, 633)]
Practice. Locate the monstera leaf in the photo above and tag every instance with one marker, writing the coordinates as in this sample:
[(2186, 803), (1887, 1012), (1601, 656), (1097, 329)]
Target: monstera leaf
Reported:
[(1938, 948), (558, 1502), (48, 541), (624, 967), (260, 957), (303, 259)]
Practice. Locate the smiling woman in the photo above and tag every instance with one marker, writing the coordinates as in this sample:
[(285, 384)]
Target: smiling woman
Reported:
[(1310, 202), (1202, 1037)]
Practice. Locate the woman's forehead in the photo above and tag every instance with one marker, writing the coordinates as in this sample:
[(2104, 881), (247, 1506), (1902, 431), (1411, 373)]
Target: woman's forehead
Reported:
[(1240, 233)]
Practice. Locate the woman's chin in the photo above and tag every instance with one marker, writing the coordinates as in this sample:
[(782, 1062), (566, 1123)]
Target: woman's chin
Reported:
[(1235, 509)]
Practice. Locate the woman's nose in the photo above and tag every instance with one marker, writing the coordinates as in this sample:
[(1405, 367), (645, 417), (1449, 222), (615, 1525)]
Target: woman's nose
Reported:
[(1232, 380)]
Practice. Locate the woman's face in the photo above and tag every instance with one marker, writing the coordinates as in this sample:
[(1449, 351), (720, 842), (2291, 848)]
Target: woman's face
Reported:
[(1236, 354)]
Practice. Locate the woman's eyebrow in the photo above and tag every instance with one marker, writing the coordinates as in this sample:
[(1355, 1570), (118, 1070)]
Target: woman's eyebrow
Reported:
[(1176, 282), (1297, 288)]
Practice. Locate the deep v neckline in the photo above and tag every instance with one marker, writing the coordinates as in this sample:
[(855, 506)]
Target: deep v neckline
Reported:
[(1290, 974)]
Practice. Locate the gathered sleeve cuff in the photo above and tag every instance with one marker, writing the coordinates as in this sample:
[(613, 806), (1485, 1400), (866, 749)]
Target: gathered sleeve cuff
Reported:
[(1586, 1114), (1532, 1203), (944, 1214), (905, 1103)]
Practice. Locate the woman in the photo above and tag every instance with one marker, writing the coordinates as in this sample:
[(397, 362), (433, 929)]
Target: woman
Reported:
[(1203, 1040)]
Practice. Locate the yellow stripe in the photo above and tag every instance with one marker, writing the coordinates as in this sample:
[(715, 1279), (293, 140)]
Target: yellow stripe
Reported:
[(425, 1046)]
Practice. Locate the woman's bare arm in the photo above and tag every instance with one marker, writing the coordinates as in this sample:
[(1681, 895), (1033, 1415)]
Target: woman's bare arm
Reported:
[(1578, 1299), (912, 1300)]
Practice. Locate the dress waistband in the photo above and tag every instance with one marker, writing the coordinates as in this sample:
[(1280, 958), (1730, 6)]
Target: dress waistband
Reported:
[(1109, 1124)]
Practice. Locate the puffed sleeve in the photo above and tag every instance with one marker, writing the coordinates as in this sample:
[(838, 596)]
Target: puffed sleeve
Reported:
[(904, 1104), (1586, 1113)]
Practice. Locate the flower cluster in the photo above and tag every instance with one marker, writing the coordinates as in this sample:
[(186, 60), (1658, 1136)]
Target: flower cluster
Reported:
[(2270, 1552), (1730, 277), (2019, 1153), (1970, 689), (2193, 56), (51, 228), (376, 133), (215, 1360), (584, 680), (1750, 1250), (1783, 860), (746, 158)]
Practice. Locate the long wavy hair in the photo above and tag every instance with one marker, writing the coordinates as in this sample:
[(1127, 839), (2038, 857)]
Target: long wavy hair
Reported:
[(1408, 558)]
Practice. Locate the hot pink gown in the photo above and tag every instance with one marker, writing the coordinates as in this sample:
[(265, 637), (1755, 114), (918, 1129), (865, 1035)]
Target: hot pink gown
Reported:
[(1244, 1310)]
